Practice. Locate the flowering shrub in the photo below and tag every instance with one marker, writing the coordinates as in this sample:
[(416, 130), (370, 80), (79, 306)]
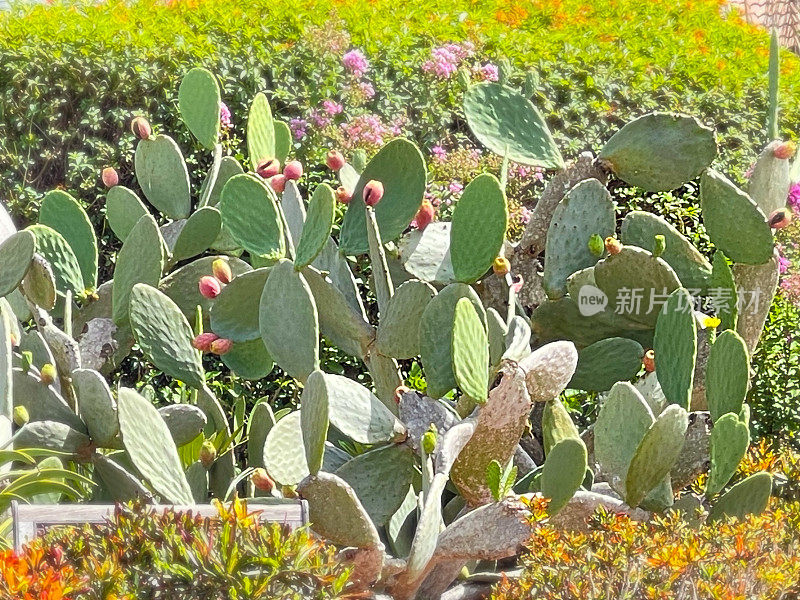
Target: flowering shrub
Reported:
[(141, 555), (619, 559)]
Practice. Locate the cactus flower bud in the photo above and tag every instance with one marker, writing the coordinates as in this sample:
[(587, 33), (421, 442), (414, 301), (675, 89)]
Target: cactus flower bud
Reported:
[(268, 167), (373, 192), (208, 454), (27, 360), (780, 218), (14, 340), (203, 341), (425, 215), (342, 195), (334, 160), (516, 283), (222, 270), (262, 481), (659, 245), (221, 346), (293, 170), (501, 266), (613, 245), (110, 177), (141, 128), (21, 415), (209, 286), (596, 245), (48, 373), (399, 391), (785, 150), (649, 361), (429, 439), (278, 183)]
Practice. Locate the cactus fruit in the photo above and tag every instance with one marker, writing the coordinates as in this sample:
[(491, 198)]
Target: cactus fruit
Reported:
[(501, 266), (21, 415), (293, 170), (649, 361), (262, 481), (425, 215), (342, 195), (278, 183), (209, 287), (109, 177), (373, 192), (613, 245), (780, 218), (141, 128), (208, 454), (596, 245), (785, 150), (399, 391), (220, 346), (334, 160), (429, 440), (222, 270), (268, 167), (48, 374), (659, 245)]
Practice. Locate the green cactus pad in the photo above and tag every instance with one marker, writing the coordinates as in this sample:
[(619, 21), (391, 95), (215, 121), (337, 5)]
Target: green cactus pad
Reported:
[(748, 497), (606, 362), (730, 439), (382, 283), (675, 347), (42, 401), (314, 420), (61, 212), (150, 447), (259, 424), (426, 254), (123, 210), (288, 321), (6, 362), (727, 374), (52, 246), (199, 103), (358, 413), (622, 423), (228, 167), (480, 220), (470, 352), (656, 454), (197, 476), (96, 405), (283, 140), (184, 421), (198, 234), (331, 261), (557, 425), (399, 165), (164, 335), (217, 420), (398, 331), (235, 313), (121, 485), (769, 182), (380, 479), (660, 151), (50, 435), (39, 284), (140, 260), (343, 325), (435, 335), (723, 288), (640, 228), (733, 221), (508, 124), (496, 334), (619, 276), (293, 209), (249, 360), (250, 214), (563, 473), (284, 452), (163, 177), (337, 513), (318, 225), (260, 131), (16, 254), (586, 210), (181, 284)]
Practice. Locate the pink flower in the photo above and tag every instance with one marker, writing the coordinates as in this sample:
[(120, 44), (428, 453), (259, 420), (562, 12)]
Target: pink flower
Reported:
[(298, 127), (320, 119), (355, 62), (439, 153), (366, 89), (488, 72), (525, 215), (366, 129), (794, 197), (443, 63), (455, 187), (225, 116), (791, 287), (331, 107), (784, 264)]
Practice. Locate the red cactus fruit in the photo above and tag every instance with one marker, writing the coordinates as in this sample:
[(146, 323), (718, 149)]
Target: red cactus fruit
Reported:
[(501, 266), (293, 170), (222, 270), (268, 167), (425, 215), (209, 286), (613, 245), (649, 361), (262, 481), (110, 177), (342, 195), (399, 391), (278, 183), (373, 192), (780, 218), (141, 128), (785, 150), (203, 341), (334, 160), (221, 346)]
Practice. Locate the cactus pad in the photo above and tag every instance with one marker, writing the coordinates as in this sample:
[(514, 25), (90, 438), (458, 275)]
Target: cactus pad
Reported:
[(199, 103), (724, 286), (748, 497), (96, 405), (198, 233), (317, 227), (50, 435), (470, 352), (284, 453), (184, 421), (235, 312), (563, 472), (675, 346), (606, 362), (557, 425), (163, 177), (123, 210), (16, 253), (140, 260), (250, 214), (314, 420), (52, 246), (727, 375), (61, 212), (768, 185), (260, 131), (730, 439), (398, 331), (249, 360), (426, 254)]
